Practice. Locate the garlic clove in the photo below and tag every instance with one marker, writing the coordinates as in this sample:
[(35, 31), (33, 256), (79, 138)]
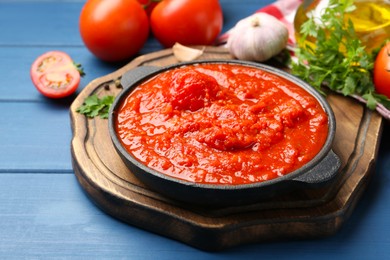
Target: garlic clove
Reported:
[(185, 53)]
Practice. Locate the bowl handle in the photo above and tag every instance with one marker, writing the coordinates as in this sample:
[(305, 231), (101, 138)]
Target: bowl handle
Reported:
[(322, 172), (132, 76)]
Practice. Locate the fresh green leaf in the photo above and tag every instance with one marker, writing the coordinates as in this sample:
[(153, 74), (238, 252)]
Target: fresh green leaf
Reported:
[(337, 60), (107, 100), (79, 68), (371, 100), (91, 101), (94, 106)]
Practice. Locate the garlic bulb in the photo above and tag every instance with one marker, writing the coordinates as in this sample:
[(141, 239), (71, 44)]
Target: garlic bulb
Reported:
[(257, 38)]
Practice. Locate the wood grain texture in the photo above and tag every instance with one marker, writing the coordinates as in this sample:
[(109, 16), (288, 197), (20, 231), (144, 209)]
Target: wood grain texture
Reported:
[(301, 214), (35, 137)]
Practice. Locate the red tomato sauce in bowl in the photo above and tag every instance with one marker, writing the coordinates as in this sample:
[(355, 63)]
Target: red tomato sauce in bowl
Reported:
[(221, 124)]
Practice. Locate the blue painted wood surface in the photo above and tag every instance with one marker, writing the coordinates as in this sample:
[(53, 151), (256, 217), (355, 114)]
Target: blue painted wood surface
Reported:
[(44, 214)]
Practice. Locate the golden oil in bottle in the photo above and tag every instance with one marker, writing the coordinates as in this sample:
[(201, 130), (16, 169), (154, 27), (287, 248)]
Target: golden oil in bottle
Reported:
[(371, 20)]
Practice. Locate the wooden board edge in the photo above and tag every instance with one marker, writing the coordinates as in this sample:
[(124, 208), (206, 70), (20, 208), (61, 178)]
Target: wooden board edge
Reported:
[(216, 239)]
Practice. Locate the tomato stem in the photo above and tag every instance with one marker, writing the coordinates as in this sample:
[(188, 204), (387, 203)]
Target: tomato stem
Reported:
[(145, 6)]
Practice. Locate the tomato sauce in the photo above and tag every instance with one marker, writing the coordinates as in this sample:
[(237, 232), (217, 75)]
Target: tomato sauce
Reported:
[(222, 124)]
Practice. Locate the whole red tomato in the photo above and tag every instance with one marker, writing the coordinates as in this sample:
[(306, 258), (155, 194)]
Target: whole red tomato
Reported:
[(189, 22), (114, 30), (382, 71)]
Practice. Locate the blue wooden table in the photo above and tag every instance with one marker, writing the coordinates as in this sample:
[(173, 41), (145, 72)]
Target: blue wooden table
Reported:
[(44, 212)]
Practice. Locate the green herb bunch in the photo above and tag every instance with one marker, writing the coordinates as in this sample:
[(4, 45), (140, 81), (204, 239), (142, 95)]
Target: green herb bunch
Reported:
[(95, 106), (338, 59)]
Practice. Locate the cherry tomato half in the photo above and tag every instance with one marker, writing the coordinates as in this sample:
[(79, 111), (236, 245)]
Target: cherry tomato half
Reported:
[(382, 71), (55, 75), (189, 22), (113, 30)]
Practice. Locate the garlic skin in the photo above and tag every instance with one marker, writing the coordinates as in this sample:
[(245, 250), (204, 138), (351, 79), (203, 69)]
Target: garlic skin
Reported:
[(257, 38)]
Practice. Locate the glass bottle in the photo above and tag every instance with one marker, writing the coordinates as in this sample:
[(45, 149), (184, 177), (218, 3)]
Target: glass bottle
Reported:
[(371, 20)]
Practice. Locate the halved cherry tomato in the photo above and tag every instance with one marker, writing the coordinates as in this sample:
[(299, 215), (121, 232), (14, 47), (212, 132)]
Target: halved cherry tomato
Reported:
[(55, 75), (189, 22), (382, 71)]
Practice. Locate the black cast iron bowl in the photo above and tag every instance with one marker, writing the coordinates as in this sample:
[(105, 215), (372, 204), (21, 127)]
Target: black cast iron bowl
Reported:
[(317, 173)]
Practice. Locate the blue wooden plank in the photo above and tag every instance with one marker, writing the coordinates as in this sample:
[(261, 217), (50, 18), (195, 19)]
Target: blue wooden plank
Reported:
[(35, 136), (45, 23), (21, 45), (55, 23), (44, 214), (49, 216), (16, 83), (46, 146)]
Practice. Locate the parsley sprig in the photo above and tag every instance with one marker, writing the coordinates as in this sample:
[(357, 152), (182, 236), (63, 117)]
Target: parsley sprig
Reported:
[(94, 106), (79, 68), (337, 59)]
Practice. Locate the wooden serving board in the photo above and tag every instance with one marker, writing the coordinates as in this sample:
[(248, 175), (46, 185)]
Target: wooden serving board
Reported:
[(301, 214)]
